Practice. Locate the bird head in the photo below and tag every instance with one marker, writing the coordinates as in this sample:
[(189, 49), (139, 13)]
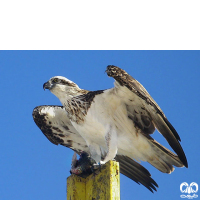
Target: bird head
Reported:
[(62, 87)]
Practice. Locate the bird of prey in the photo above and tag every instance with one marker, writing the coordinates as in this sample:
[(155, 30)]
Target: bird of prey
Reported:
[(116, 123)]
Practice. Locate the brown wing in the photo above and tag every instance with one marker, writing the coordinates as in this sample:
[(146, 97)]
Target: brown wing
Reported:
[(56, 126), (156, 114)]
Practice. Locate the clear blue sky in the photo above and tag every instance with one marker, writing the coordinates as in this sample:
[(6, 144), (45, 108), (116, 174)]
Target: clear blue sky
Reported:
[(33, 168)]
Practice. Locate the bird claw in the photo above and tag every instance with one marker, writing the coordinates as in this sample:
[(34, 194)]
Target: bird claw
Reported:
[(95, 167)]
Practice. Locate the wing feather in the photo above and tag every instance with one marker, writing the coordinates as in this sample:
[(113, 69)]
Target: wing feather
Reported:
[(56, 126), (155, 112)]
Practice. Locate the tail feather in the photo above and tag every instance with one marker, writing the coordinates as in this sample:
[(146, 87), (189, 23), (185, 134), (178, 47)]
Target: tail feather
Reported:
[(136, 172), (163, 158)]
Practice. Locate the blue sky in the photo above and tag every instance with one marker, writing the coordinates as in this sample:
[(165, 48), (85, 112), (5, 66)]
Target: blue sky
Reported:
[(33, 168)]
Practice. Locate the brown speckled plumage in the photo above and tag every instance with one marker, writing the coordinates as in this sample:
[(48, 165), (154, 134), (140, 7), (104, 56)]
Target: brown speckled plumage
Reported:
[(78, 106), (41, 121)]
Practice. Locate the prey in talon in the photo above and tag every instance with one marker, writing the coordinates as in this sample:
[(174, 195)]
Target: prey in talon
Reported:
[(83, 166)]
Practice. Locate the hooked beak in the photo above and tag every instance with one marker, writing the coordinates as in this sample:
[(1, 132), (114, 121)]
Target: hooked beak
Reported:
[(46, 85)]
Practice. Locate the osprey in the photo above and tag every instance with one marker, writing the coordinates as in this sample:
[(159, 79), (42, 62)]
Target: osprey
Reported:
[(116, 123)]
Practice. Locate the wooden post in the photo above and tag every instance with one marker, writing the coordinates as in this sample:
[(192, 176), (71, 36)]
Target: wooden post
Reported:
[(103, 185)]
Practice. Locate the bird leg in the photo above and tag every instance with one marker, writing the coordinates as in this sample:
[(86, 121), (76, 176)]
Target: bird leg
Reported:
[(111, 143)]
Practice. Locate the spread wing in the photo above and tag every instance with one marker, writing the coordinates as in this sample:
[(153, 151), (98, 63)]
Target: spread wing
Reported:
[(145, 113), (56, 126)]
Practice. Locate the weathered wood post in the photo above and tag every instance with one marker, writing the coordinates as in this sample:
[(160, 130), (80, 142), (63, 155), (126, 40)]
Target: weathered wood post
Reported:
[(103, 185)]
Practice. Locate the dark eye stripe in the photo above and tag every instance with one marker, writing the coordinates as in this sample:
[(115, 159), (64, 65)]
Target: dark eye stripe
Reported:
[(67, 83)]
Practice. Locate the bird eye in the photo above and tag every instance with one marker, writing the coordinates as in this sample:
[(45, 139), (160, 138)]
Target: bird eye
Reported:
[(55, 80)]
